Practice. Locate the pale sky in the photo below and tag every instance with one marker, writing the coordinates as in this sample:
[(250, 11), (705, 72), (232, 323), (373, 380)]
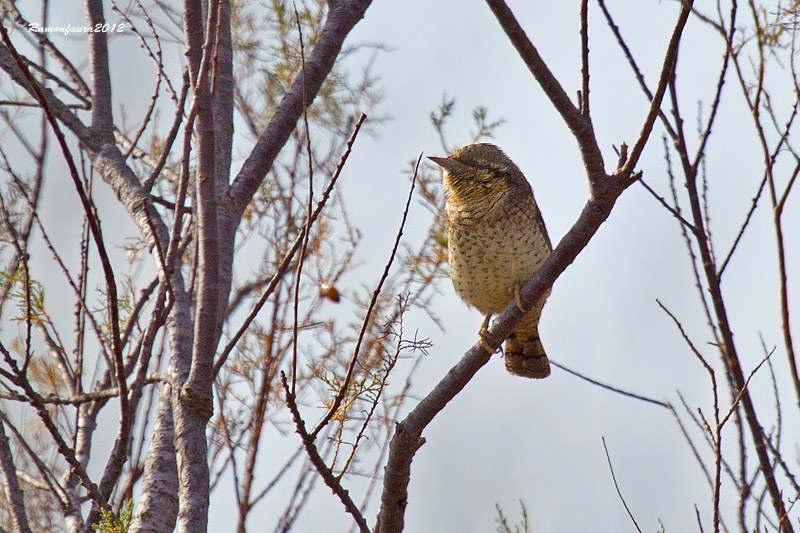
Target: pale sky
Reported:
[(505, 439)]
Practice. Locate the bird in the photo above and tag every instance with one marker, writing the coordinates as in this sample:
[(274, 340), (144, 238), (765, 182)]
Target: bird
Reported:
[(496, 240)]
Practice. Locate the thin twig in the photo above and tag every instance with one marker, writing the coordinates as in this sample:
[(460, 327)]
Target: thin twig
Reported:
[(46, 478), (668, 207), (307, 227), (706, 133), (44, 415), (666, 77), (94, 226), (577, 123), (687, 340), (386, 370), (84, 397), (697, 514), (691, 443), (284, 266), (313, 455), (616, 486), (743, 227), (169, 140), (783, 277), (742, 392), (632, 62), (688, 242), (610, 387), (584, 103), (337, 401)]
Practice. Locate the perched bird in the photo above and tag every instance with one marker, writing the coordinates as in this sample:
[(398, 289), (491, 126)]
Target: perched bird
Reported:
[(496, 239)]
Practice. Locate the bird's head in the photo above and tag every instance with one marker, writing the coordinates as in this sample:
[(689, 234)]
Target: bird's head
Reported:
[(478, 173)]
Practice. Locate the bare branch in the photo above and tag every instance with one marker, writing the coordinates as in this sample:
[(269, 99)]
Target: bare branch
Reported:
[(578, 124), (667, 75), (337, 401), (319, 464), (10, 482), (742, 392), (36, 401), (668, 207), (307, 225), (616, 486), (610, 387), (632, 62), (290, 253), (341, 18), (743, 226), (102, 117), (84, 397), (46, 45), (584, 103), (605, 191), (94, 226)]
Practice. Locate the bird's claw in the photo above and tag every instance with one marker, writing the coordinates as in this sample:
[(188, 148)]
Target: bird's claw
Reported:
[(518, 298), (482, 334)]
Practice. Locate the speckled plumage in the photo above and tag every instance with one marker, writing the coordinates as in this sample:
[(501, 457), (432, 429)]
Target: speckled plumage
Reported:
[(496, 241)]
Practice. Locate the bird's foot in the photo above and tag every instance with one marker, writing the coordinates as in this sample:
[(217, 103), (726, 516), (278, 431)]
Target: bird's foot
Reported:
[(482, 334), (518, 298)]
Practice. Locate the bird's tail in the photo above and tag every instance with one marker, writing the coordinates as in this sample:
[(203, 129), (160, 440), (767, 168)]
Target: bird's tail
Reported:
[(525, 355)]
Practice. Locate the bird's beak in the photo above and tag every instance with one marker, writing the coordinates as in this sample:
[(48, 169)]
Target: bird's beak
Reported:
[(451, 165)]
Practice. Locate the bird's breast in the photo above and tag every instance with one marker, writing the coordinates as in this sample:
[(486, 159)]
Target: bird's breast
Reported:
[(491, 256)]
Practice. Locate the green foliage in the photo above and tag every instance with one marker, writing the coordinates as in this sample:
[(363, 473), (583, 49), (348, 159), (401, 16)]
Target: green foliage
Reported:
[(20, 296), (504, 527), (109, 523)]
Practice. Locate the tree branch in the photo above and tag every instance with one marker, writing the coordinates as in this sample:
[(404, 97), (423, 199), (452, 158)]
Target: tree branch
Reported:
[(10, 482), (319, 463), (667, 70), (94, 226), (273, 282), (342, 17), (194, 401), (66, 452), (584, 103), (605, 191), (102, 117), (337, 401), (616, 486), (579, 125)]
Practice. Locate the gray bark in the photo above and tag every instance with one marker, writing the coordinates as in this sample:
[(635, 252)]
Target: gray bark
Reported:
[(11, 487), (157, 508)]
